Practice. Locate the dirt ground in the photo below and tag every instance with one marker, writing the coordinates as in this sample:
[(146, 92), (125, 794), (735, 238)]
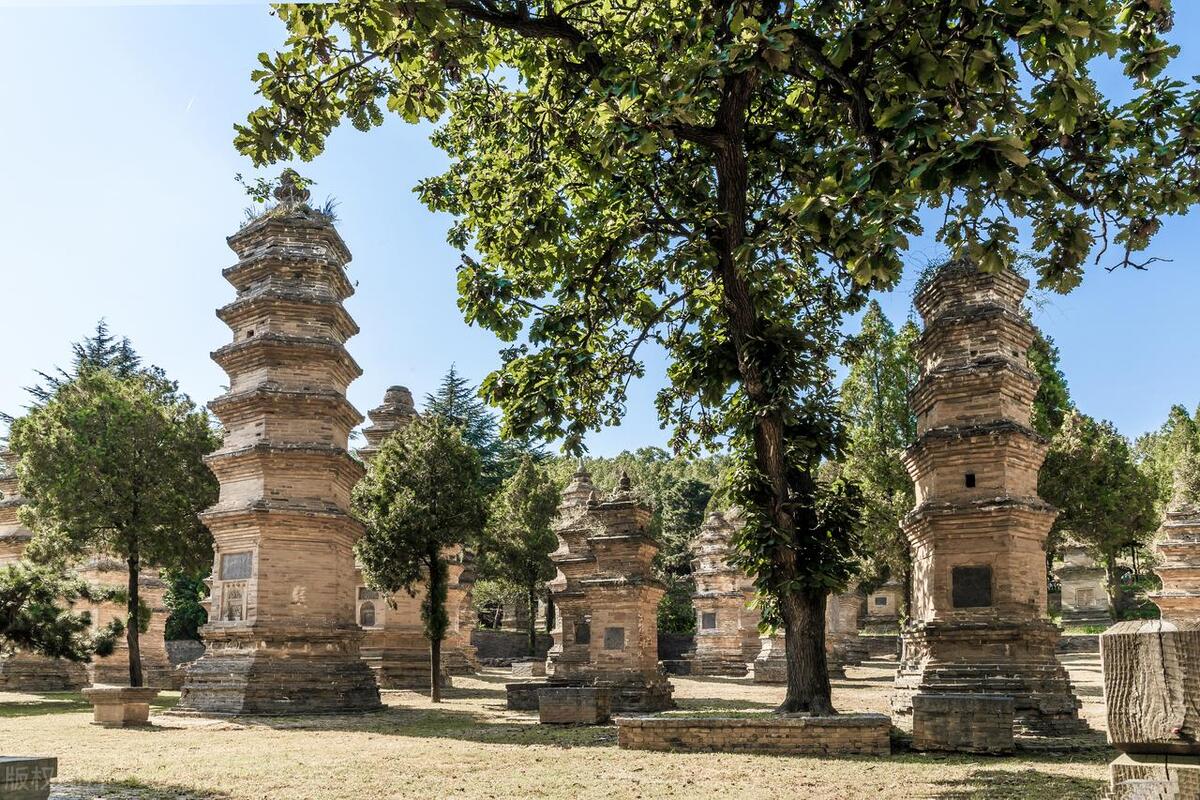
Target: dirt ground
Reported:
[(471, 747)]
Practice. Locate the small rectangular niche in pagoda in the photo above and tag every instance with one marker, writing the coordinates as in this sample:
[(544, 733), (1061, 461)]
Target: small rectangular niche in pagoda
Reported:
[(978, 532), (282, 636)]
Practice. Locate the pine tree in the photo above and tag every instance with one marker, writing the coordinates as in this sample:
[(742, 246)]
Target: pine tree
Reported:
[(457, 402)]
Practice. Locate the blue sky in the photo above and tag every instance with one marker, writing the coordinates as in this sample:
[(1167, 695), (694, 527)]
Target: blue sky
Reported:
[(118, 192)]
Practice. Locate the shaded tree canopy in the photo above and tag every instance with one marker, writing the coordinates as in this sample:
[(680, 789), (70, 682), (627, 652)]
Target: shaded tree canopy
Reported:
[(1105, 502), (726, 181), (36, 614)]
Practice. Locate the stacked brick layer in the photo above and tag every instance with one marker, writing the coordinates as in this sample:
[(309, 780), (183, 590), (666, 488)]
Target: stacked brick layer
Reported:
[(845, 734), (978, 531), (282, 635)]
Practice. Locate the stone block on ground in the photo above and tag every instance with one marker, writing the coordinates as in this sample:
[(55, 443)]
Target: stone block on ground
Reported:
[(120, 706), (1154, 777), (1152, 686), (964, 723), (529, 668), (523, 696), (571, 705), (26, 777), (844, 734)]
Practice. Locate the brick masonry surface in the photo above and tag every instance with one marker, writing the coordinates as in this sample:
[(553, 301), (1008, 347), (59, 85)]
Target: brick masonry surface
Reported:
[(845, 734)]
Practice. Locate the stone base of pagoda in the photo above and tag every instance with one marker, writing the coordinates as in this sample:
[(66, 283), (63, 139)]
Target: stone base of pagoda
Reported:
[(771, 664), (458, 656), (403, 667), (28, 672), (156, 671), (719, 664), (313, 673), (994, 658), (1086, 617)]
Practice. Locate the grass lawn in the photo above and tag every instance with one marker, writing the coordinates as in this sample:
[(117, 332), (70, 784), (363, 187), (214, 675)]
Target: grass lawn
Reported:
[(471, 747)]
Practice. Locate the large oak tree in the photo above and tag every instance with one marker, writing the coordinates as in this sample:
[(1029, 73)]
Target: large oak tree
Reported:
[(726, 179)]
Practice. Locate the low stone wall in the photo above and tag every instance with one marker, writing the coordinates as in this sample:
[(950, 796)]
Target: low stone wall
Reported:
[(523, 696), (500, 648), (845, 734)]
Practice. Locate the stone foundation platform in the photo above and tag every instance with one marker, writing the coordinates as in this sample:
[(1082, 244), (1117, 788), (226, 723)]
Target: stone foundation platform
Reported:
[(525, 668), (990, 658), (566, 705), (844, 734), (963, 723), (28, 672), (260, 682)]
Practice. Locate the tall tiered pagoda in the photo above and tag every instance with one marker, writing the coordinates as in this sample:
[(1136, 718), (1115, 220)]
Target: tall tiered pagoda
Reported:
[(282, 635), (978, 531), (607, 598), (727, 638), (1178, 547), (26, 672)]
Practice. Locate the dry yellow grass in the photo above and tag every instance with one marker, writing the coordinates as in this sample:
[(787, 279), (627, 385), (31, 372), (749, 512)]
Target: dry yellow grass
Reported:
[(471, 747)]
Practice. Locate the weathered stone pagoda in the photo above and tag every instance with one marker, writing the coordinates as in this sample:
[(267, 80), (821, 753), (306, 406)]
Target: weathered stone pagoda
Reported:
[(1084, 588), (883, 604), (978, 532), (26, 672), (282, 634), (394, 642), (1178, 546), (157, 670), (727, 638), (606, 631)]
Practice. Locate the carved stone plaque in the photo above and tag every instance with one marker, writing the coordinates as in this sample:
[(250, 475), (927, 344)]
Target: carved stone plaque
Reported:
[(583, 633), (708, 620), (614, 638), (236, 566), (971, 587)]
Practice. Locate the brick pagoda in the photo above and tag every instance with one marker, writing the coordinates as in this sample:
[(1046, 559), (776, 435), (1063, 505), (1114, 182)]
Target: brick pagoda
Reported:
[(978, 531), (282, 635), (1178, 546), (1084, 587), (394, 642), (26, 672), (606, 631), (727, 637)]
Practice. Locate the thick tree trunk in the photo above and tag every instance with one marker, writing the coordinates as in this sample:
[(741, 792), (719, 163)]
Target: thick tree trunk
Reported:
[(808, 671), (133, 602), (532, 595), (1112, 582)]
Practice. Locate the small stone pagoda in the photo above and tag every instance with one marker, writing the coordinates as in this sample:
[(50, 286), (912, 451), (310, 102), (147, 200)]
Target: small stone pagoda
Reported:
[(26, 672), (157, 670), (883, 604), (394, 642), (978, 532), (1178, 546), (1084, 588), (727, 638), (606, 631), (282, 635)]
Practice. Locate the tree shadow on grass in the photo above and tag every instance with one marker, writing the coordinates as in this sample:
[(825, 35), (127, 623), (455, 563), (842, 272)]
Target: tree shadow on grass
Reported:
[(42, 703), (130, 790), (445, 723), (1026, 784)]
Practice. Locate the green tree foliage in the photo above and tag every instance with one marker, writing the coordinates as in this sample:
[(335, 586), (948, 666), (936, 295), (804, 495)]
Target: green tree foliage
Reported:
[(1161, 452), (185, 601), (421, 496), (880, 424), (1106, 503), (1053, 400), (115, 465), (518, 540), (726, 180), (36, 614)]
